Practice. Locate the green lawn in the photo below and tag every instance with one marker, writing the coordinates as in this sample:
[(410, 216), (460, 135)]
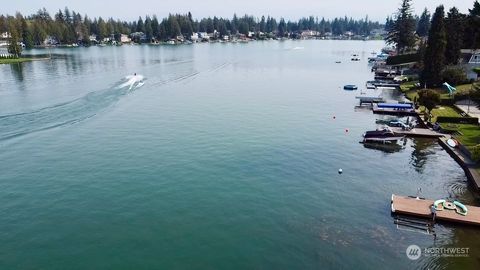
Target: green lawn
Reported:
[(447, 111), (408, 88), (15, 60), (470, 135)]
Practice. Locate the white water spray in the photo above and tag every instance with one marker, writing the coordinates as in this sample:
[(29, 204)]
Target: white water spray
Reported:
[(132, 81)]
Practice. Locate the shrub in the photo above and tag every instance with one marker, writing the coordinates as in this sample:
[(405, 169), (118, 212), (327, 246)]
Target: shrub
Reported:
[(475, 151), (428, 98), (454, 75), (477, 70)]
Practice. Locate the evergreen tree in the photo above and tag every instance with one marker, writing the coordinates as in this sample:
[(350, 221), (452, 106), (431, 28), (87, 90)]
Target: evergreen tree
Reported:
[(423, 23), (282, 28), (27, 36), (434, 59), (402, 33), (102, 29), (173, 28), (472, 33), (155, 27), (13, 46), (428, 98), (243, 28), (454, 33), (389, 24), (39, 34), (140, 25), (148, 28)]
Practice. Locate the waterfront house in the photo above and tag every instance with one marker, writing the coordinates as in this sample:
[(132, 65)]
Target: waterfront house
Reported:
[(180, 38), (306, 34), (138, 37), (93, 38), (469, 60), (195, 37), (51, 41), (5, 35), (125, 38)]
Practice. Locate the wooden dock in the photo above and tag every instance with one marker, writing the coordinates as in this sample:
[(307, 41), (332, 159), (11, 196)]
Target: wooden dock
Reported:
[(417, 132), (369, 100), (422, 208), (394, 111)]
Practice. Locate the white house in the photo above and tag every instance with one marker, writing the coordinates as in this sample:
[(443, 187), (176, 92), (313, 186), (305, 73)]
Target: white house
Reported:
[(50, 40), (195, 37), (469, 60), (5, 35), (125, 38), (309, 33)]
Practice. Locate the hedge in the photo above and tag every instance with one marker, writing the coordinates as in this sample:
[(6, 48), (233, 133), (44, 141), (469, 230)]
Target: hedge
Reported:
[(459, 120), (403, 59)]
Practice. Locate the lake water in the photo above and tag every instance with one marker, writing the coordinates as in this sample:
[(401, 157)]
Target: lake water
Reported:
[(226, 158)]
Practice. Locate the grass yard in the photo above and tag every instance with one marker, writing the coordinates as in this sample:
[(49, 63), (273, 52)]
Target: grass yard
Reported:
[(408, 88), (441, 111), (14, 60), (470, 135)]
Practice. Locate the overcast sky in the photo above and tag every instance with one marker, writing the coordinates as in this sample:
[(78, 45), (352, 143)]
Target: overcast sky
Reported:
[(129, 10)]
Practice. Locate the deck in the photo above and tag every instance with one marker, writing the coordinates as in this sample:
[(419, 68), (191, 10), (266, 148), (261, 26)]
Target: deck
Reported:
[(417, 132), (380, 108), (364, 99), (390, 111), (421, 208)]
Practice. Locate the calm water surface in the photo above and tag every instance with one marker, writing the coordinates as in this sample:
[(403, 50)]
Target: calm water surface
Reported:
[(226, 158)]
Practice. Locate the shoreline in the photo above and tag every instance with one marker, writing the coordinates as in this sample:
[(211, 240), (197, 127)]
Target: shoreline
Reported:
[(470, 167), (176, 43), (21, 60)]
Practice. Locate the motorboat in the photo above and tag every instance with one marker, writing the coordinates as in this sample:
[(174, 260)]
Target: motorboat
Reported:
[(383, 135)]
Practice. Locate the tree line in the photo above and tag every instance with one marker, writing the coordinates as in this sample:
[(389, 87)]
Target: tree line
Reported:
[(69, 27)]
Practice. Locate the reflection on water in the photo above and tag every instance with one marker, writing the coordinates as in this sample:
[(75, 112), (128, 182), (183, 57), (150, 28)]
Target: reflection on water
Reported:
[(422, 148), (389, 148), (228, 155), (17, 70)]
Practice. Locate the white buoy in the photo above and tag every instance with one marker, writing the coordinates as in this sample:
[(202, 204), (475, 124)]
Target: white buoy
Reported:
[(340, 171)]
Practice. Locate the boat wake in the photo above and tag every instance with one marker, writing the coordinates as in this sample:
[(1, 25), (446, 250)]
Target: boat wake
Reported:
[(132, 81), (19, 124)]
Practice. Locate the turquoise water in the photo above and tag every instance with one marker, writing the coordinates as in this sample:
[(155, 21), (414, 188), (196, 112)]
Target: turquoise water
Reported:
[(226, 158)]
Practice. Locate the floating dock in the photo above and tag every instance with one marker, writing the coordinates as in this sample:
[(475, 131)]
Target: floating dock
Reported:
[(417, 132), (370, 100), (402, 109), (383, 84), (422, 208)]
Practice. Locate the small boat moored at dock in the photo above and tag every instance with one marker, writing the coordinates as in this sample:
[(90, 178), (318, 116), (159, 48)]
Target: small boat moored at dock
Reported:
[(385, 135)]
